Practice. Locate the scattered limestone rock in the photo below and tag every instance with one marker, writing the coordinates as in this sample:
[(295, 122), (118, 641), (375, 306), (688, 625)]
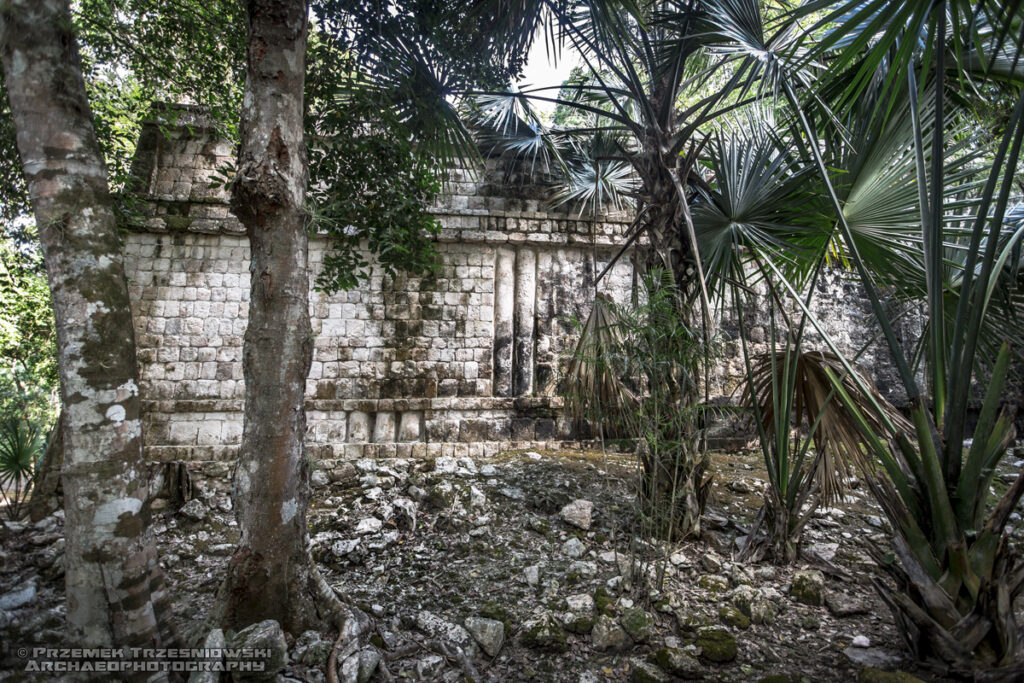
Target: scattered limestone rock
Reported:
[(762, 611), (711, 562), (845, 605), (808, 587), (445, 465), (872, 675), (311, 649), (678, 663), (872, 657), (263, 635), (732, 616), (23, 594), (638, 624), (578, 513), (369, 525), (428, 668), (642, 671), (742, 597), (348, 672), (713, 583), (716, 644), (436, 627), (580, 603), (368, 659), (544, 634), (477, 499), (861, 641), (489, 633), (574, 548), (465, 467), (319, 479), (194, 510), (405, 513), (214, 641), (532, 575), (577, 622), (608, 635)]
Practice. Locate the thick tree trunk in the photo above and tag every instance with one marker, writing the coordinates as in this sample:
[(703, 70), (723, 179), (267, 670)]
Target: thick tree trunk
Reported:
[(272, 575), (115, 588)]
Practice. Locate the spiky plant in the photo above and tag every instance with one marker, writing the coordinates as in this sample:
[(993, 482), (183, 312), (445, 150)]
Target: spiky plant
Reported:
[(953, 576), (809, 440), (21, 447)]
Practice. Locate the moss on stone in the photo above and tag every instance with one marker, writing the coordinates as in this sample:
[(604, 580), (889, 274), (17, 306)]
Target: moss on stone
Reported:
[(495, 610), (870, 675), (713, 583), (604, 602), (641, 672), (546, 636), (580, 625), (733, 617), (716, 644), (637, 623), (677, 662)]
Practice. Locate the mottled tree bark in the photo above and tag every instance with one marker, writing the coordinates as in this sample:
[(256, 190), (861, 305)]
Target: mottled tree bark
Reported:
[(272, 575), (115, 588)]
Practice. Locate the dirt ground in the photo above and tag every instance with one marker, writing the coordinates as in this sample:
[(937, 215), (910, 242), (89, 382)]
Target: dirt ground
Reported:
[(428, 547)]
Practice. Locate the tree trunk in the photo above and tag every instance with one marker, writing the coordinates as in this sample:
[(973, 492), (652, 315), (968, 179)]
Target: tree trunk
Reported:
[(272, 575), (115, 587)]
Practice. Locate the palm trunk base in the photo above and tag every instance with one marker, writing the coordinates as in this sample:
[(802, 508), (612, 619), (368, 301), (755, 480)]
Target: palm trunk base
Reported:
[(673, 497), (983, 645)]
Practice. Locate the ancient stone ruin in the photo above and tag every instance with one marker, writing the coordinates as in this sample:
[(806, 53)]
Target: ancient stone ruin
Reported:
[(465, 362)]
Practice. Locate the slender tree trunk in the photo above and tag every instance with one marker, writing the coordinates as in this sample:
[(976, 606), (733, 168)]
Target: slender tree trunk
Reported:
[(115, 588), (47, 493), (272, 575)]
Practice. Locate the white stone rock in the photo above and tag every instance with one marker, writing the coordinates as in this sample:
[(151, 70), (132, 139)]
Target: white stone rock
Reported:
[(366, 465), (194, 510), (436, 627), (319, 479), (578, 513), (477, 499), (581, 603), (429, 667), (445, 465), (489, 633), (574, 548), (532, 575), (369, 525), (861, 641), (22, 595), (344, 547)]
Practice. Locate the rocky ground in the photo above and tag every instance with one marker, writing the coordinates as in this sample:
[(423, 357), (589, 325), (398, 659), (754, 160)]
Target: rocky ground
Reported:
[(523, 567)]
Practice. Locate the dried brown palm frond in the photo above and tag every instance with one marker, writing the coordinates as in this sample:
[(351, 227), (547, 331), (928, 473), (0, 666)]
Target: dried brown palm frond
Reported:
[(594, 387), (836, 434)]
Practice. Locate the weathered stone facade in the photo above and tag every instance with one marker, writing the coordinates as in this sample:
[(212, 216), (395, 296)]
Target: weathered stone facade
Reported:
[(463, 362)]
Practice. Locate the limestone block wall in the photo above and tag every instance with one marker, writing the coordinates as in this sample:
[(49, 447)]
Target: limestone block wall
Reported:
[(465, 361)]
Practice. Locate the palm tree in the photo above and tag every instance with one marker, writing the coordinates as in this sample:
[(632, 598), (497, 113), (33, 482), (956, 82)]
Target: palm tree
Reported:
[(645, 106), (953, 579)]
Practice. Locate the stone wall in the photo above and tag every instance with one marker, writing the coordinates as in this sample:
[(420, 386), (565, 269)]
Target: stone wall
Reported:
[(463, 362)]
